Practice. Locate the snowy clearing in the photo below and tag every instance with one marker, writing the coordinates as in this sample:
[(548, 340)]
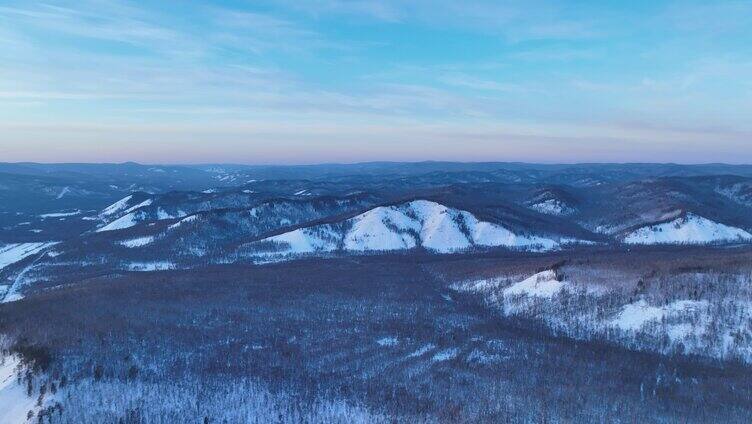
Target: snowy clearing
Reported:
[(117, 206)]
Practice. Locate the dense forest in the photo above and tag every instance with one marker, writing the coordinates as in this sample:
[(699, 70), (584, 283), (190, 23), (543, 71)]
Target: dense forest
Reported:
[(366, 339)]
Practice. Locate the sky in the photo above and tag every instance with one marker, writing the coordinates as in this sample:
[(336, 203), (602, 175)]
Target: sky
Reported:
[(314, 81)]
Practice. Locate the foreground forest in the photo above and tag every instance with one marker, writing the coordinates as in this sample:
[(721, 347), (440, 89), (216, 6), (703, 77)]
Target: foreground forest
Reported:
[(366, 339)]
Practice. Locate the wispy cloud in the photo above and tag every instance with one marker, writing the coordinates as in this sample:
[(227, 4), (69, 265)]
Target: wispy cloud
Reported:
[(716, 17), (396, 73), (102, 20), (515, 20)]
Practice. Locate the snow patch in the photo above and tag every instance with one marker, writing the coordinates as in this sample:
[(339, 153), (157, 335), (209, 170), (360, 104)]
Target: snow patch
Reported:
[(125, 221), (146, 202), (636, 315), (387, 341), (422, 351), (183, 221), (305, 240), (59, 214), (63, 192), (446, 354), (162, 214), (117, 206), (137, 242), (570, 241), (12, 253), (543, 284), (151, 266)]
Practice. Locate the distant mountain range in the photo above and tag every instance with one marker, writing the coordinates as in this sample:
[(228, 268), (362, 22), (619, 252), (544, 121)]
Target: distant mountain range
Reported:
[(73, 219)]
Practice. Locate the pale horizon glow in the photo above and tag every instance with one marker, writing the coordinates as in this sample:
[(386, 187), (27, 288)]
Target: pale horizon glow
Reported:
[(340, 81)]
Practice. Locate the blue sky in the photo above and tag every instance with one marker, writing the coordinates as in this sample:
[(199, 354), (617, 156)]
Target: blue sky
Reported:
[(296, 81)]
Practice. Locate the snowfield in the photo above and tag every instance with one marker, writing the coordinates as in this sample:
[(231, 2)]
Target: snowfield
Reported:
[(635, 316), (131, 216), (125, 221), (543, 284), (12, 253), (117, 206), (419, 223), (689, 229)]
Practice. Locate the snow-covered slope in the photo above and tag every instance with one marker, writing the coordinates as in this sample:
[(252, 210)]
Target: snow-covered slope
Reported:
[(117, 206), (12, 253), (635, 316), (124, 213), (543, 284), (418, 223), (125, 221), (14, 404), (687, 229)]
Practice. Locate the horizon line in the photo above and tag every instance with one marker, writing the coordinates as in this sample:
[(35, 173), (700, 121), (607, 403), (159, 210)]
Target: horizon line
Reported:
[(375, 162)]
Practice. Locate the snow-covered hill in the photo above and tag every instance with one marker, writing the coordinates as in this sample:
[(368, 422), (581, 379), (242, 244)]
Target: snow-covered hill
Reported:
[(552, 207), (687, 229), (423, 223), (554, 201)]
